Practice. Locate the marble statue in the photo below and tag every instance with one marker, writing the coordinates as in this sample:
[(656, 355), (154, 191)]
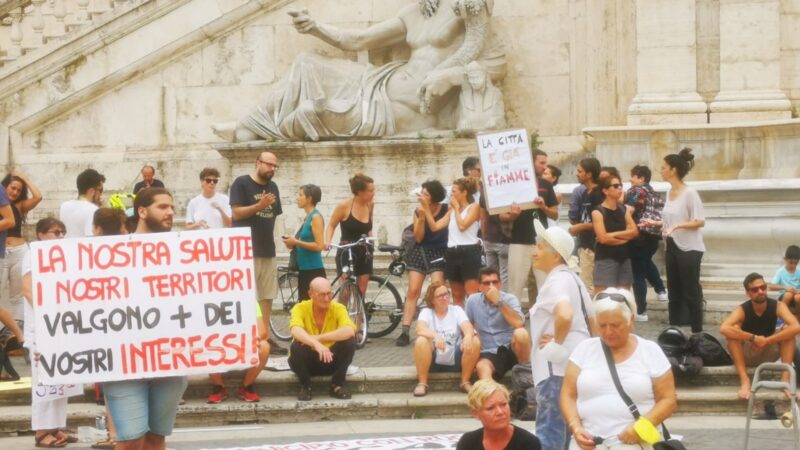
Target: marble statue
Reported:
[(481, 102), (325, 98)]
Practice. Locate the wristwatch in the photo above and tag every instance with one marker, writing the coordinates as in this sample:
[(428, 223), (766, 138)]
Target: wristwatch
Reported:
[(500, 303), (752, 337)]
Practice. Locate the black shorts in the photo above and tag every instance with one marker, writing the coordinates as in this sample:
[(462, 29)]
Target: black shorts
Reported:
[(503, 361), (463, 263), (362, 260), (419, 260)]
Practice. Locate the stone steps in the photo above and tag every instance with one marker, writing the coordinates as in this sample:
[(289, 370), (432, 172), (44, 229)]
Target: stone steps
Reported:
[(383, 392)]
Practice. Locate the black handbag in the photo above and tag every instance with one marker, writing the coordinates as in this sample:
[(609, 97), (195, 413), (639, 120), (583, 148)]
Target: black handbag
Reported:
[(668, 443)]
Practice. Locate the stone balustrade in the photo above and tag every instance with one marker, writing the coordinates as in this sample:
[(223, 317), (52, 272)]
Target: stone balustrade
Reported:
[(26, 25)]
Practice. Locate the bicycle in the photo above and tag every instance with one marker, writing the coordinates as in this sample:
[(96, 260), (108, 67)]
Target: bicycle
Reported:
[(382, 303)]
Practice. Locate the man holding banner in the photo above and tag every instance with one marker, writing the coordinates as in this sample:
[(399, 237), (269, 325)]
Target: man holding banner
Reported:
[(144, 410)]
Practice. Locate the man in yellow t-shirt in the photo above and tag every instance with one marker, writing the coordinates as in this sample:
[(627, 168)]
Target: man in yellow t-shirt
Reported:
[(323, 340)]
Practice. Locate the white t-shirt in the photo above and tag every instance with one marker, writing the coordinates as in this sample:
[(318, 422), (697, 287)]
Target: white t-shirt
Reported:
[(449, 327), (466, 237), (561, 285), (200, 208), (601, 409), (688, 206), (77, 216)]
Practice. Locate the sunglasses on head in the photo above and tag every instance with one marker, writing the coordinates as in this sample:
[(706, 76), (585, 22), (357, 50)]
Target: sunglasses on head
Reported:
[(757, 289), (613, 296)]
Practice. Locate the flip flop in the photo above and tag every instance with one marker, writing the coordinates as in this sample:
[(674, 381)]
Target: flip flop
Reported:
[(65, 436), (420, 390), (106, 444), (54, 442)]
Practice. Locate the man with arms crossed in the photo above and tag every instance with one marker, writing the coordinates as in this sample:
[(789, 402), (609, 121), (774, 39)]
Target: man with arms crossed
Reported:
[(256, 202), (497, 317), (752, 337), (559, 323), (144, 410)]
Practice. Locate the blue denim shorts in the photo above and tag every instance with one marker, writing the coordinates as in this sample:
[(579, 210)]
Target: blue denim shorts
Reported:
[(139, 407)]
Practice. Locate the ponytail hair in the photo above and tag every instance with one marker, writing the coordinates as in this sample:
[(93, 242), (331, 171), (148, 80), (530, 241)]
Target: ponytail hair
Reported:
[(682, 162), (468, 185)]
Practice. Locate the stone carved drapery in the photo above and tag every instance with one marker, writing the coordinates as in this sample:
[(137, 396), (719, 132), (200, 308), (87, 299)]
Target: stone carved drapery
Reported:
[(322, 97)]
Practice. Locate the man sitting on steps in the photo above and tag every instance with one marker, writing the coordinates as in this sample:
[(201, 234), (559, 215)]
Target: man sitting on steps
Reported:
[(752, 335)]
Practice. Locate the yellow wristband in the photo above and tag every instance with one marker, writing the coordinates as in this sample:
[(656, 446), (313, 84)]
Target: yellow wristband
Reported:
[(646, 430)]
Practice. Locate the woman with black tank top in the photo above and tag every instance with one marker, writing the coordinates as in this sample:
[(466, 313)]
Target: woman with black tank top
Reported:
[(354, 218), (614, 227), (427, 257), (24, 196)]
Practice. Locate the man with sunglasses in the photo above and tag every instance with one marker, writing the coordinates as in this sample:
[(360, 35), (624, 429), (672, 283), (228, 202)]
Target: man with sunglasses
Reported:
[(753, 333), (210, 209), (498, 319)]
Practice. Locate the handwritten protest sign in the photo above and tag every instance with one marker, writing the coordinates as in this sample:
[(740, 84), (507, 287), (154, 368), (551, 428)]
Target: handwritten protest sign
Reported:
[(508, 175), (144, 305), (50, 393)]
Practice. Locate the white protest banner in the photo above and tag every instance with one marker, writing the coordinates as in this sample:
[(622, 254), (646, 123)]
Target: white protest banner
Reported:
[(144, 305), (507, 168), (43, 393)]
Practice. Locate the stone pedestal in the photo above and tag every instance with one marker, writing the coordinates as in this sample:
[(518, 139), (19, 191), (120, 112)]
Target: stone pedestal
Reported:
[(666, 64), (750, 63)]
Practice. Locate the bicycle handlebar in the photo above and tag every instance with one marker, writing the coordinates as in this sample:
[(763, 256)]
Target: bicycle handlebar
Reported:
[(362, 241)]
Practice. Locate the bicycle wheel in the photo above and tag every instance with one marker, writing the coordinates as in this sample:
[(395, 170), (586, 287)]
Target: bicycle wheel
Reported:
[(282, 306), (384, 306), (349, 295)]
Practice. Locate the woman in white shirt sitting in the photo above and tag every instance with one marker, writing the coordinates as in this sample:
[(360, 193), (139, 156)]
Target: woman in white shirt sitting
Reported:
[(463, 257), (593, 409), (446, 340)]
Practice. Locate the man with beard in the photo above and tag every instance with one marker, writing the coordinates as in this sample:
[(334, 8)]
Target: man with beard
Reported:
[(256, 202), (77, 214), (144, 410), (753, 335)]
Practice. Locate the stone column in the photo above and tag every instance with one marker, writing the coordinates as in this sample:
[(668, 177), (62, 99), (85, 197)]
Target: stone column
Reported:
[(750, 63), (666, 64)]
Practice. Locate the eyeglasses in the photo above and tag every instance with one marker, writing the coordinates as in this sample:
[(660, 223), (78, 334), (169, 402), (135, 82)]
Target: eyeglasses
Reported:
[(490, 282), (268, 164), (615, 185), (757, 289), (57, 232), (619, 298), (442, 295), (211, 180)]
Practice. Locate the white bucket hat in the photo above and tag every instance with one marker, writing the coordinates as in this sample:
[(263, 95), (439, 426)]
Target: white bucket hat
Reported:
[(558, 238)]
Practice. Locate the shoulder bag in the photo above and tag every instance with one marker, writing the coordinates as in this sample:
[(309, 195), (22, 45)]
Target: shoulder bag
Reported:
[(668, 443), (293, 265)]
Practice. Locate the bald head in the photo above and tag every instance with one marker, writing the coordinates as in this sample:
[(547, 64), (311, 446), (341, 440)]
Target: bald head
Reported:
[(319, 284)]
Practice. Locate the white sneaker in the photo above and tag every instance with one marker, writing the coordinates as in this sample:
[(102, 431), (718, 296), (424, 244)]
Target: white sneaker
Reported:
[(642, 317), (662, 296), (352, 369)]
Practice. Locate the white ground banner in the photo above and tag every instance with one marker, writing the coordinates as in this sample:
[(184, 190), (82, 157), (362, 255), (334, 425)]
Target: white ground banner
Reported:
[(437, 441)]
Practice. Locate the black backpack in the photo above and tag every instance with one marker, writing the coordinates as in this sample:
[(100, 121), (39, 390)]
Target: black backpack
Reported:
[(675, 344), (523, 393), (709, 349)]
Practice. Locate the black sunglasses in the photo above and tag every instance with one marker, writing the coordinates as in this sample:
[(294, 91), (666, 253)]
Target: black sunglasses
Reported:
[(211, 180)]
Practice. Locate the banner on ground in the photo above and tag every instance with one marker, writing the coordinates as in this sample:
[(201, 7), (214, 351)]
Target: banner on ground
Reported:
[(507, 168), (438, 441), (144, 305)]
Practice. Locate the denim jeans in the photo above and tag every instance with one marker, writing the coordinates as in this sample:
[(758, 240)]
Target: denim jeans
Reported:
[(550, 427), (497, 257), (144, 406), (644, 270)]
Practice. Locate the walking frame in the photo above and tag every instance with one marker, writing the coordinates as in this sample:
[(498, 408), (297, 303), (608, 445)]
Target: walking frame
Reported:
[(782, 386)]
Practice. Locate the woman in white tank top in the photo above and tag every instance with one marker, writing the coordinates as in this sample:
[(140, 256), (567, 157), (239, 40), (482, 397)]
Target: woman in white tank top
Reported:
[(463, 257)]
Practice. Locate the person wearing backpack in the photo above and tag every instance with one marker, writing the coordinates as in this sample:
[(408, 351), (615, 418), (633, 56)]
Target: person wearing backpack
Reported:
[(646, 204), (752, 335)]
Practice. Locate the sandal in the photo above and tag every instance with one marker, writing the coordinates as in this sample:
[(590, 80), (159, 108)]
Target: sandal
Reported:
[(105, 444), (42, 441), (465, 387), (420, 390), (340, 392), (65, 436)]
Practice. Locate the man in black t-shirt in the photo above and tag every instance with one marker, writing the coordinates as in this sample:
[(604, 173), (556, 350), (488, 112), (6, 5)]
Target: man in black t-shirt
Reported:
[(751, 331), (523, 235), (148, 180), (588, 174), (255, 203)]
